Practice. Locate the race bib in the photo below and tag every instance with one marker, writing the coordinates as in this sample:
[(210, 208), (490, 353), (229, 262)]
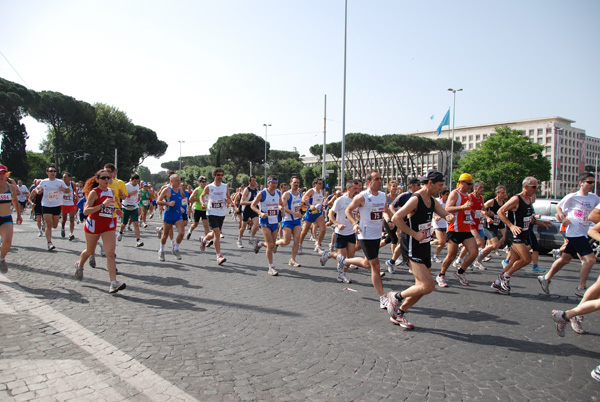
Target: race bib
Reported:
[(67, 197), (478, 214), (106, 212), (297, 208), (217, 205), (5, 197), (467, 217), (526, 222), (376, 214), (425, 228), (146, 203), (53, 195), (496, 220), (581, 216), (273, 216)]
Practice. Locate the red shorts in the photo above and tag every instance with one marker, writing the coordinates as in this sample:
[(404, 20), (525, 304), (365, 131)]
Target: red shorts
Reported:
[(97, 226), (65, 209)]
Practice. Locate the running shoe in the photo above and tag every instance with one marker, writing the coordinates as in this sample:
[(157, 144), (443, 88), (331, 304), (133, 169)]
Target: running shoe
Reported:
[(556, 253), (318, 249), (177, 254), (331, 247), (558, 317), (576, 324), (393, 306), (504, 282), (202, 243), (78, 272), (139, 243), (312, 238), (497, 253), (273, 272), (239, 243), (3, 267), (161, 255), (457, 263), (300, 249), (189, 234), (324, 257), (210, 243), (343, 278), (596, 373), (62, 233), (402, 321), (390, 267), (580, 292), (383, 302), (499, 289), (221, 259), (51, 246), (158, 232), (341, 262), (486, 259), (479, 265), (71, 236), (257, 247), (93, 261), (537, 270), (41, 233), (400, 262), (462, 278), (293, 263), (115, 286), (120, 236), (441, 281), (544, 283), (504, 264), (145, 225), (435, 258)]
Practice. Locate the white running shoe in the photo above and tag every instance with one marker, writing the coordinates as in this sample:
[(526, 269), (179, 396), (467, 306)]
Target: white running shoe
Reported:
[(273, 271), (383, 302), (239, 243), (343, 278)]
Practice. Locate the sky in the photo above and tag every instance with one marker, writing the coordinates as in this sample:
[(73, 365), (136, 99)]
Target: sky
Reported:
[(197, 70)]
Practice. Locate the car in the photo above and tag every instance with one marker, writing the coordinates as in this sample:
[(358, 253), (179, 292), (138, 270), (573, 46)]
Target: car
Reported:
[(551, 237)]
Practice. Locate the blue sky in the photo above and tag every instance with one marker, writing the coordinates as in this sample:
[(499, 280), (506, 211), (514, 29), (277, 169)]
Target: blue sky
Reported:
[(196, 70)]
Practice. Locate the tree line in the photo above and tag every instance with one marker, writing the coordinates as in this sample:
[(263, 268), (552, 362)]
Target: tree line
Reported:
[(81, 137)]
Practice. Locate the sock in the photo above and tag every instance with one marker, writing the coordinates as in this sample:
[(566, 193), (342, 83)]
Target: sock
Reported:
[(271, 265), (506, 261), (120, 232), (506, 276), (459, 271), (176, 246), (138, 239), (398, 296), (441, 275), (162, 248), (392, 261)]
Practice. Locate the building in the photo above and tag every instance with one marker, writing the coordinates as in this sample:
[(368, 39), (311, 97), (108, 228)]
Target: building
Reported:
[(569, 149)]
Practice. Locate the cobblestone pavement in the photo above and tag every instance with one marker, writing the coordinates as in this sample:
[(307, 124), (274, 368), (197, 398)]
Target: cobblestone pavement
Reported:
[(192, 330)]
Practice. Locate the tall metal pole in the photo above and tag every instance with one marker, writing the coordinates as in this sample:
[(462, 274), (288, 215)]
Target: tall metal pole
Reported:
[(342, 175), (180, 142), (596, 176), (453, 120), (324, 138), (266, 126)]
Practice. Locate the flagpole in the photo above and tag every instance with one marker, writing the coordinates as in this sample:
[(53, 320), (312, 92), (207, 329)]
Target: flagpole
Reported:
[(452, 144)]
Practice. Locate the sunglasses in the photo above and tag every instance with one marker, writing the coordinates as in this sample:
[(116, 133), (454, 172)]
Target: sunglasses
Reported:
[(468, 183), (532, 186), (589, 181), (104, 177), (51, 171)]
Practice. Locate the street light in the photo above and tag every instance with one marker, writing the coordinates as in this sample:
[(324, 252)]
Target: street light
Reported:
[(557, 151), (266, 127), (180, 142), (454, 91)]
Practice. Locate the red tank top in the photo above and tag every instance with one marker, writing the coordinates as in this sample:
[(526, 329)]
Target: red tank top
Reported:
[(462, 218), (105, 213), (476, 210)]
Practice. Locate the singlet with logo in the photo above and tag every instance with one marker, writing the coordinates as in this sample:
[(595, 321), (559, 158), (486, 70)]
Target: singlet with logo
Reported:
[(462, 218), (217, 200), (250, 197), (420, 221), (371, 215), (52, 192), (317, 198), (294, 203), (339, 207), (197, 205), (442, 223), (522, 216), (497, 223), (476, 207), (269, 204), (173, 213), (69, 198)]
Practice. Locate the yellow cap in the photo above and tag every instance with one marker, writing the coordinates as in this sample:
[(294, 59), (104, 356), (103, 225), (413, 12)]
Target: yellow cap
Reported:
[(465, 176)]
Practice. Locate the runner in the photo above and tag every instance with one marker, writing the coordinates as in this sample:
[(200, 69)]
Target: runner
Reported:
[(35, 198), (345, 238), (51, 201), (8, 196), (440, 225), (268, 211), (416, 236), (573, 211), (199, 212), (476, 226), (23, 195), (249, 216), (131, 209), (283, 188), (99, 208), (313, 199), (373, 209), (459, 231), (69, 207), (493, 228), (520, 211), (171, 198), (215, 199), (144, 203), (292, 219)]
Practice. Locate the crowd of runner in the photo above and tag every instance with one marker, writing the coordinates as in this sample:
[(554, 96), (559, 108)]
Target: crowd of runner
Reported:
[(367, 219)]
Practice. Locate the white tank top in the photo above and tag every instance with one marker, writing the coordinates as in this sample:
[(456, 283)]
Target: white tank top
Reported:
[(293, 204), (269, 204), (371, 215), (217, 197)]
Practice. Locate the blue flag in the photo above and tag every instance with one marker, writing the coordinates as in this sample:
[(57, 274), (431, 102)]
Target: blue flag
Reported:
[(432, 116), (445, 122)]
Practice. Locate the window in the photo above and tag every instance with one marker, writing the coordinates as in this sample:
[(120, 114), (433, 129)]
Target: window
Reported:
[(540, 140), (548, 140), (548, 130), (464, 139), (471, 146), (477, 137), (531, 132), (540, 131), (484, 136), (470, 138)]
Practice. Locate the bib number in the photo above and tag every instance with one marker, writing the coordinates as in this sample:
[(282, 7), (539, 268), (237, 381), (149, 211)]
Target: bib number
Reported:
[(377, 214), (106, 212), (217, 205), (526, 222), (425, 228)]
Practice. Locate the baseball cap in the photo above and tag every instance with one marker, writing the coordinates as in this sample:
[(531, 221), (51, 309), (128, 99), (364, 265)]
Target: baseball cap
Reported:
[(434, 175), (414, 181), (465, 177)]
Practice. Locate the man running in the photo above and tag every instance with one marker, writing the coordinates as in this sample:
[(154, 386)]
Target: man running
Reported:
[(171, 198), (373, 209), (573, 211), (215, 198), (131, 209), (313, 199), (292, 219), (249, 216), (69, 207), (51, 190), (267, 205), (144, 203), (493, 228), (477, 213), (345, 238), (459, 231), (199, 212), (415, 239)]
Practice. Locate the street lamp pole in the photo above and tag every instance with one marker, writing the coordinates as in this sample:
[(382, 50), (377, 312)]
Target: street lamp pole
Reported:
[(180, 142), (454, 91), (266, 127), (557, 151)]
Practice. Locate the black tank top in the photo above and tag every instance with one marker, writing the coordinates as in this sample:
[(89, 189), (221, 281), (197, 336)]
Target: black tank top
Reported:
[(522, 216), (421, 219), (497, 222)]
